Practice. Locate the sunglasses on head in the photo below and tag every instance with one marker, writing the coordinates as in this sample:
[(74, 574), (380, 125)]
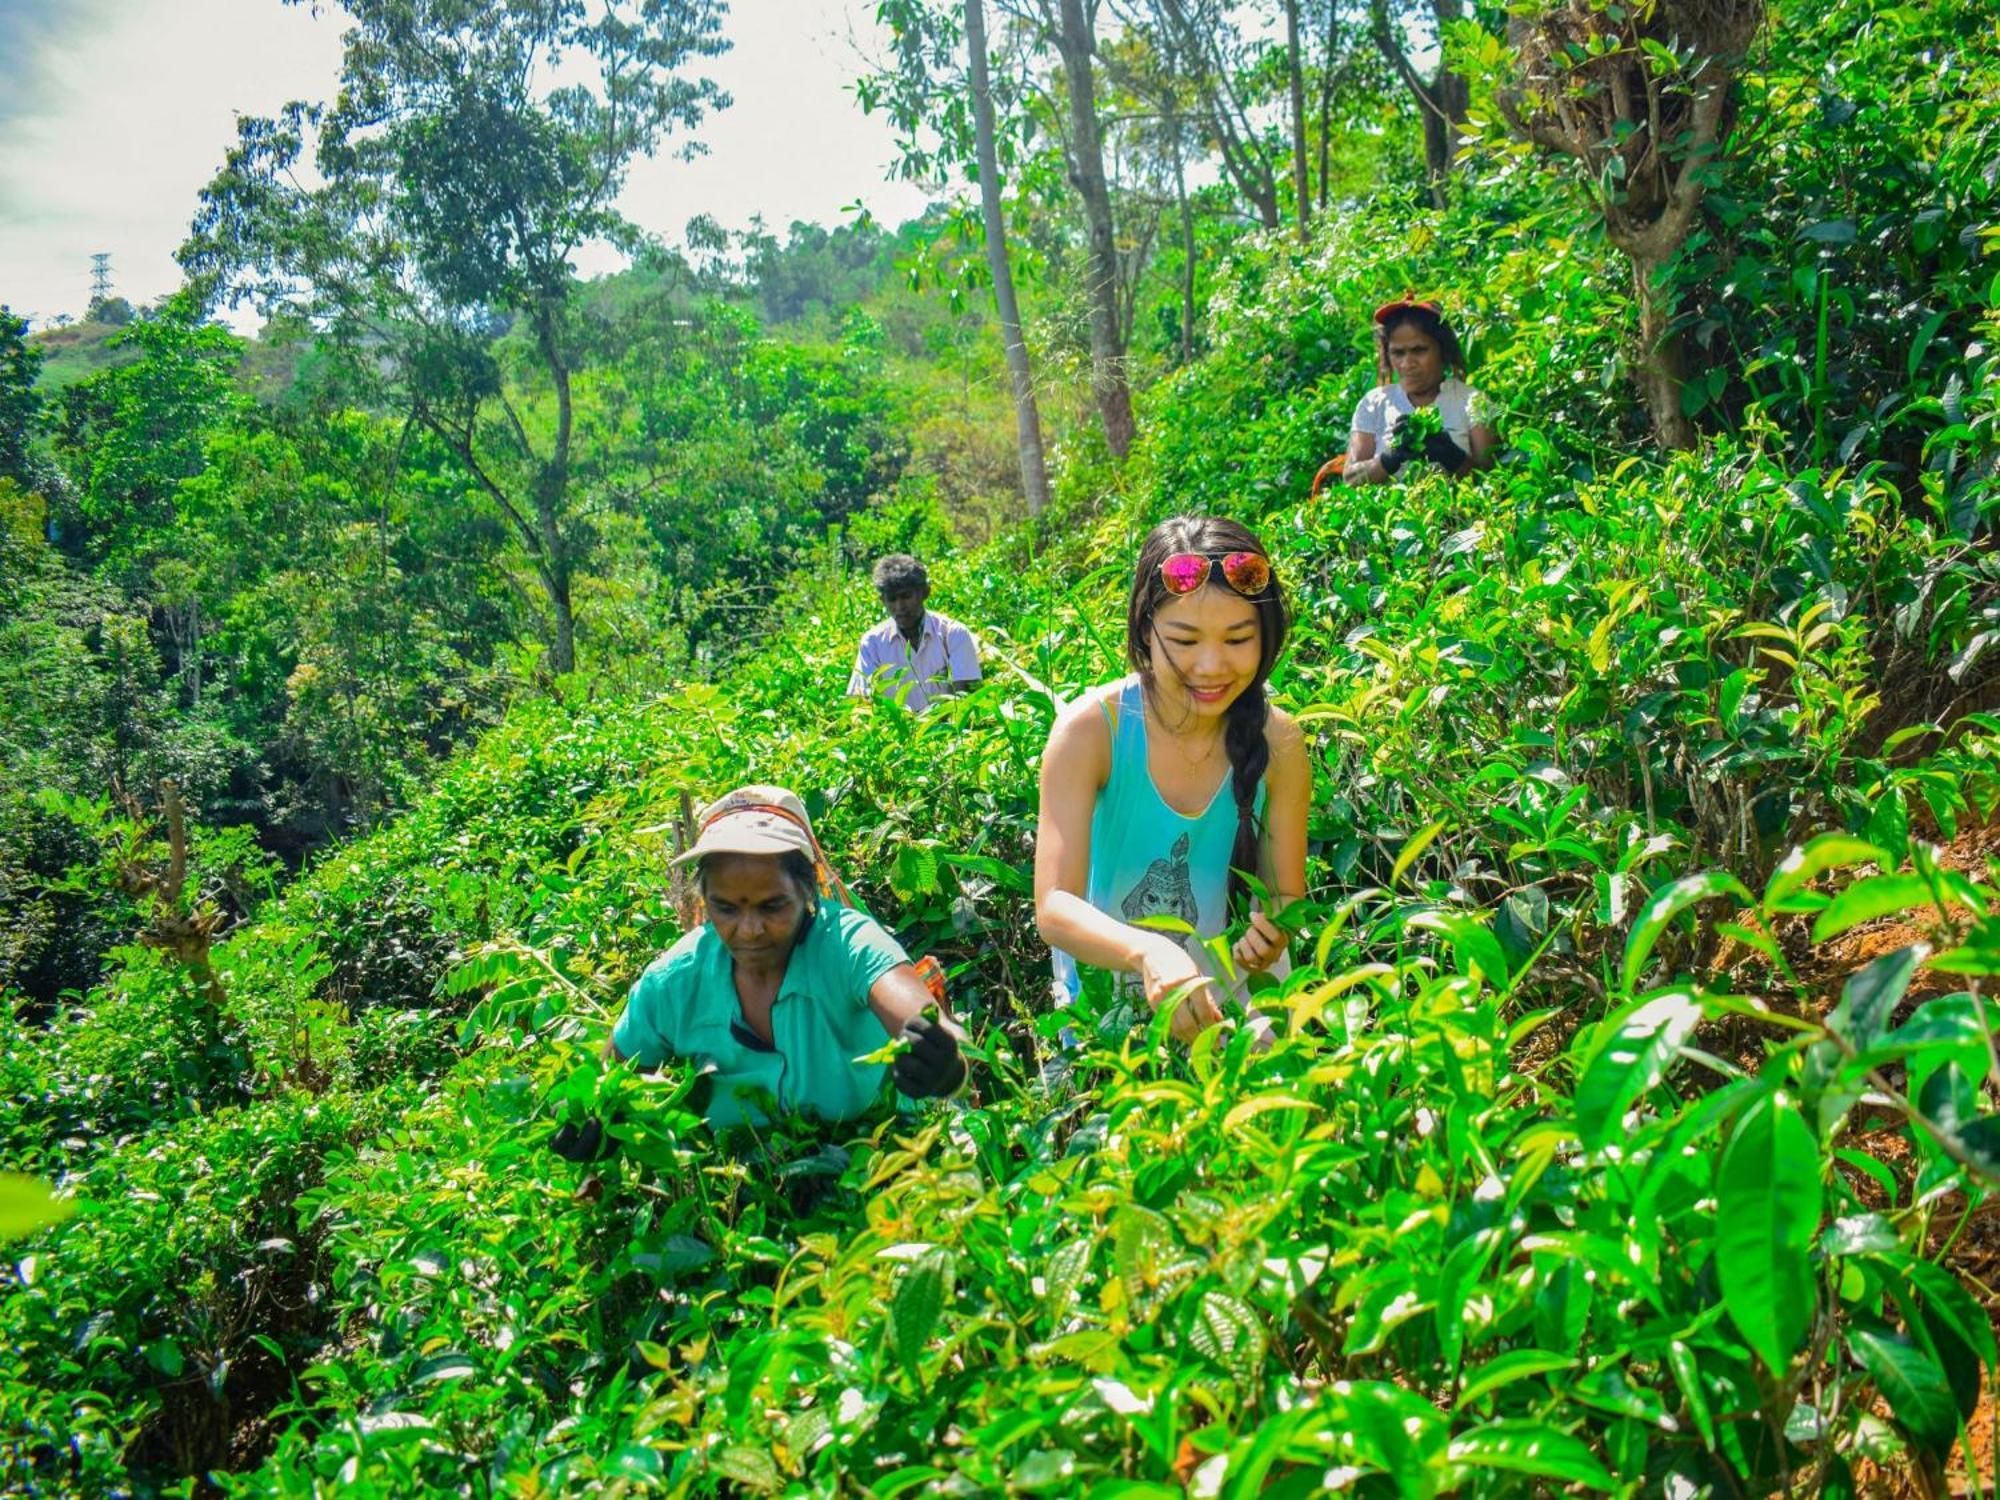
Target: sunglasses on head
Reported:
[(1249, 573)]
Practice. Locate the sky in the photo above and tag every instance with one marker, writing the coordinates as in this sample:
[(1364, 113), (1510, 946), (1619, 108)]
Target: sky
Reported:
[(114, 113)]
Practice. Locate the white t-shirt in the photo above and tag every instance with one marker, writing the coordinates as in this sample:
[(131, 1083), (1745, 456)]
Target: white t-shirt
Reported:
[(1458, 403), (945, 653)]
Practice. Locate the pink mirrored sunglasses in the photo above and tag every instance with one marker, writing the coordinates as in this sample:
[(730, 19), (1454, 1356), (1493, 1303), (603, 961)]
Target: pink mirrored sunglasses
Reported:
[(1249, 573)]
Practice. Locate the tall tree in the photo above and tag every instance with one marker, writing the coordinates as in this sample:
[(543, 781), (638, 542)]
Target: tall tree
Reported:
[(1202, 45), (439, 199), (130, 435), (1073, 29), (1157, 107), (926, 88), (1443, 98), (1176, 136), (1295, 75), (1640, 98), (1357, 93), (1027, 414)]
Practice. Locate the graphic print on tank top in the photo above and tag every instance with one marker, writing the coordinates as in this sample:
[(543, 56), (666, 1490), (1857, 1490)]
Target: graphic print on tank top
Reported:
[(1165, 890)]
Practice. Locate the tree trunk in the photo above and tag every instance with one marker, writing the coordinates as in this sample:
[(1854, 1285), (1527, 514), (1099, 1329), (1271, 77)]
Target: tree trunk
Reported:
[(1027, 415), (1448, 99), (563, 657), (1442, 100), (1107, 344), (1662, 369), (1301, 183), (551, 493), (1187, 243), (1326, 100)]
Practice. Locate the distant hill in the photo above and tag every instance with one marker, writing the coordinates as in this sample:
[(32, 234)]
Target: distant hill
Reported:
[(76, 350)]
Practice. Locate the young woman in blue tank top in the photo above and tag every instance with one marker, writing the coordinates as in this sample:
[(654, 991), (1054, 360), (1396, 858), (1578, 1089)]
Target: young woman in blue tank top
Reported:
[(1160, 791)]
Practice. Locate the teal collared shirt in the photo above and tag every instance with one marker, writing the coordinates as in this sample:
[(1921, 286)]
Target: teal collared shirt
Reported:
[(685, 1006)]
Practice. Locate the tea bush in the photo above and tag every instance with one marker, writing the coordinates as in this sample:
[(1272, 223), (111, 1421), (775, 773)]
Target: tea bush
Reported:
[(1468, 1220), (1591, 1153)]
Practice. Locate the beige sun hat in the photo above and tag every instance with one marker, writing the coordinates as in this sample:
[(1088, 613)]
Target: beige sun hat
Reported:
[(753, 820)]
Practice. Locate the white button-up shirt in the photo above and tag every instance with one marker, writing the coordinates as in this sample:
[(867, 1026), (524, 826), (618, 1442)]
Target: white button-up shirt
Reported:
[(945, 653)]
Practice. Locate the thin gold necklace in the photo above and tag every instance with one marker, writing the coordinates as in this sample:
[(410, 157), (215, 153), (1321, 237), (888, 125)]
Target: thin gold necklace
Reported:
[(1174, 739)]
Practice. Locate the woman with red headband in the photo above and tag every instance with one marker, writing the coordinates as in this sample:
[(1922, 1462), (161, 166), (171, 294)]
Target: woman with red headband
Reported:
[(1164, 793), (784, 986), (1418, 358)]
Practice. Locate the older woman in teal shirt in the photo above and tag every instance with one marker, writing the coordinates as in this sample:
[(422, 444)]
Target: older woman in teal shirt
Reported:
[(783, 987)]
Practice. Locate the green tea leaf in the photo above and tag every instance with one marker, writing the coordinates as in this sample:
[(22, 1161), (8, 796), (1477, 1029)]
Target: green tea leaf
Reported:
[(1523, 1447), (1869, 1167), (1865, 900), (1889, 826), (1411, 850), (1868, 998), (1462, 1270), (1768, 1207), (885, 1054), (1474, 948), (1919, 1396), (1663, 906), (1633, 1060), (1505, 1369), (1228, 1332), (1687, 1375), (1945, 1297), (903, 1480), (1394, 1430), (1830, 851), (1067, 1265), (1859, 1234), (920, 1297), (752, 1468), (442, 1367), (637, 1462)]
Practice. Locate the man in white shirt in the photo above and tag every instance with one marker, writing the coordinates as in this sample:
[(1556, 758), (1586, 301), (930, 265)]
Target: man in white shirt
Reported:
[(916, 655)]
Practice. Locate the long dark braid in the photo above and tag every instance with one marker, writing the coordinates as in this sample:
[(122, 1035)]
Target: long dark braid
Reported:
[(1243, 738), (1249, 756)]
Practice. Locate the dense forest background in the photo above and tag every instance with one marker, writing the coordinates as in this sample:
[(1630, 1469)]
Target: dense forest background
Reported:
[(227, 575), (1634, 1125)]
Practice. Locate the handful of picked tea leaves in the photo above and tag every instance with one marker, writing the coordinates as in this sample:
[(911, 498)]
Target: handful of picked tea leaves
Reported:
[(1422, 424)]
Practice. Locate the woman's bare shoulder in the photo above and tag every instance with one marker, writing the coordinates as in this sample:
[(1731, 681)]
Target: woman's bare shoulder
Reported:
[(1282, 732), (1083, 727)]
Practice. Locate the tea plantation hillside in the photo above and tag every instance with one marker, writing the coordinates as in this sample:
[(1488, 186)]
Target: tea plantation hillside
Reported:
[(1630, 1126)]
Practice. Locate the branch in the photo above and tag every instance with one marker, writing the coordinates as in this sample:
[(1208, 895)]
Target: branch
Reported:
[(1670, 227), (1245, 162), (461, 449), (520, 431), (1385, 42), (177, 845), (1128, 297), (1539, 129)]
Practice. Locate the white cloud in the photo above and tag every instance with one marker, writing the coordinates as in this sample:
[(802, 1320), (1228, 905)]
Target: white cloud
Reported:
[(133, 106), (125, 108), (793, 144)]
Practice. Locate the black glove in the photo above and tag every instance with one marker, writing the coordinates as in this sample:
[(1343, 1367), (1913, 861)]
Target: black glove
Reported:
[(1401, 450), (582, 1143), (1442, 451), (932, 1066)]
